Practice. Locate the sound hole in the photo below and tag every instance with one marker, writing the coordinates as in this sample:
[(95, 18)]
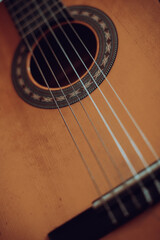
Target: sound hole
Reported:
[(63, 70)]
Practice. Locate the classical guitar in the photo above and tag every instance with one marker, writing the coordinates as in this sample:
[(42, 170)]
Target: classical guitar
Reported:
[(79, 120)]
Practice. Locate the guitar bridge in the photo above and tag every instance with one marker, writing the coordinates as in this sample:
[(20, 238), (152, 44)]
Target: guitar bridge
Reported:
[(114, 208)]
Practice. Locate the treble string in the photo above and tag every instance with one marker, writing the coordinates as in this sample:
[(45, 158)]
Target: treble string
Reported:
[(135, 147)]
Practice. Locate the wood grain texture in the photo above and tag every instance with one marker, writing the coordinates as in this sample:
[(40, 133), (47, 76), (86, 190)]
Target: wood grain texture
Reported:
[(43, 181)]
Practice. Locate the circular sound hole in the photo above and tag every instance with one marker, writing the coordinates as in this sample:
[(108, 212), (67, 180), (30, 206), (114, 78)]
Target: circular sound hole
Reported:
[(53, 62)]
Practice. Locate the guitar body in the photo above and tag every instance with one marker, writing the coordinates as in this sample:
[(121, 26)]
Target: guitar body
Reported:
[(43, 181)]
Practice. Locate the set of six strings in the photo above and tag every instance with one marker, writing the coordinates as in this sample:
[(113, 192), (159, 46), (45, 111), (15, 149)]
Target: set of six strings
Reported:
[(132, 169)]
